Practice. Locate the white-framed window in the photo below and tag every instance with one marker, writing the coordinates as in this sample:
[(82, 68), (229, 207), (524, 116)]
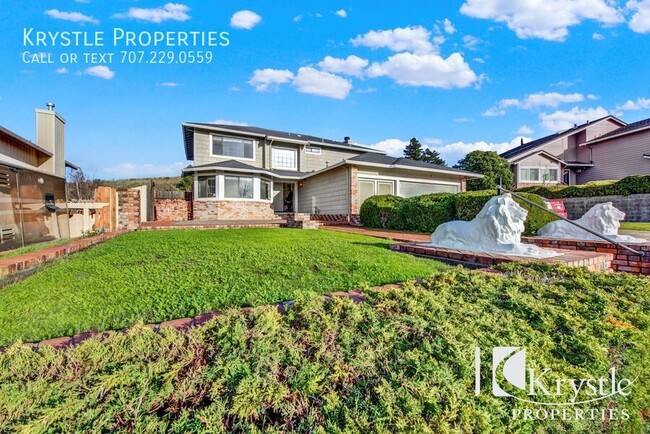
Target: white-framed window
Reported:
[(312, 150), (238, 187), (207, 186), (410, 189), (234, 147), (266, 189), (538, 174), (284, 158)]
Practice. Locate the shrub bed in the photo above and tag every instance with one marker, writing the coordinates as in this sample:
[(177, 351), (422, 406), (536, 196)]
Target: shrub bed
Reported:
[(402, 361), (424, 213), (638, 184)]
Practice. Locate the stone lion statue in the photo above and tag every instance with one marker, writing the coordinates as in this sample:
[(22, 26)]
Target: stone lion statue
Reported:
[(497, 228), (603, 218)]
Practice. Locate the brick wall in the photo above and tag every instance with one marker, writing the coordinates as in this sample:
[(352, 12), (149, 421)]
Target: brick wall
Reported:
[(172, 210), (624, 260), (233, 210), (635, 206), (128, 212)]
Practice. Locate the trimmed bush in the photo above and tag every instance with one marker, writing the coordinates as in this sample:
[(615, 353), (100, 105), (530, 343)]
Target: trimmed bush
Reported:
[(424, 213), (380, 211), (637, 184)]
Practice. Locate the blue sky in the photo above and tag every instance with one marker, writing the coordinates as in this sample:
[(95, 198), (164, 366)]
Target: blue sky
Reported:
[(458, 75)]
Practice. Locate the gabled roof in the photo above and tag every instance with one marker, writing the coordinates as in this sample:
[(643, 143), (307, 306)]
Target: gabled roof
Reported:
[(627, 129), (305, 139), (395, 162), (542, 141), (543, 154)]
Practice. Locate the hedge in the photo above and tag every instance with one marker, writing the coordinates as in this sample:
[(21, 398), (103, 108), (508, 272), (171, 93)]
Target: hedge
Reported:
[(637, 184), (425, 213)]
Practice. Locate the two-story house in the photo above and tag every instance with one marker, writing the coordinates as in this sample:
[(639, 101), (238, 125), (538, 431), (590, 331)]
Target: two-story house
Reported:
[(250, 173), (607, 148), (32, 183)]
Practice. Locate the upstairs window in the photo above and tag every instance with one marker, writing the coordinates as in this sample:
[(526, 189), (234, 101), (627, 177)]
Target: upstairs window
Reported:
[(312, 150), (538, 174), (284, 158), (233, 147)]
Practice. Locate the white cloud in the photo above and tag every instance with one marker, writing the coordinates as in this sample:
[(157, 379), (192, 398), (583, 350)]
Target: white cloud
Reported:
[(143, 170), (100, 71), (449, 151), (430, 70), (639, 104), (167, 12), (61, 70), (462, 120), (367, 90), (640, 21), (297, 18), (311, 81), (342, 13), (394, 147), (563, 83), (263, 79), (449, 27), (549, 19), (524, 130), (592, 97), (168, 84), (234, 89), (563, 120), (245, 20), (535, 100), (470, 42), (478, 60), (415, 39), (75, 17), (227, 122), (597, 37), (352, 65)]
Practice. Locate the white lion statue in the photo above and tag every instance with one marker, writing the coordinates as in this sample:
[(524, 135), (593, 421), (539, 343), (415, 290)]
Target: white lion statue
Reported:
[(603, 218), (497, 228)]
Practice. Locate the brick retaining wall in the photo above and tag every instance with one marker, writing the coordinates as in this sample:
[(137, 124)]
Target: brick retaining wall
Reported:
[(624, 260), (172, 210), (635, 206), (128, 209)]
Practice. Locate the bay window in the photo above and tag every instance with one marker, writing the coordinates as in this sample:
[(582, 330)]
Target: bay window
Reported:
[(207, 186), (238, 187), (265, 189)]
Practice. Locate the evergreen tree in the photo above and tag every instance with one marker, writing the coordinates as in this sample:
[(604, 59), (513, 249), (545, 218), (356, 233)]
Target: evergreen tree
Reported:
[(432, 156), (490, 164), (413, 151)]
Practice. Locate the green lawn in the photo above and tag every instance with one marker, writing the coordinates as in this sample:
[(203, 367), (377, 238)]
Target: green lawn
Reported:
[(400, 362), (636, 226), (162, 275)]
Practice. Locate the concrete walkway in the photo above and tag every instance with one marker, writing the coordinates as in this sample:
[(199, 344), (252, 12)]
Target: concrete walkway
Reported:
[(635, 234)]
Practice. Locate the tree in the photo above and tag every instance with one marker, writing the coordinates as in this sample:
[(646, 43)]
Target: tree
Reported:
[(186, 183), (413, 151), (80, 187), (487, 163), (432, 156)]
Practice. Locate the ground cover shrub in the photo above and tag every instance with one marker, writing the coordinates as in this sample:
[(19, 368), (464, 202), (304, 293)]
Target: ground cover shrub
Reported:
[(402, 361)]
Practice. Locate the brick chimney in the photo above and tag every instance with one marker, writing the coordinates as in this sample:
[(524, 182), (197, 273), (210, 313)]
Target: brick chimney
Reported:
[(50, 135)]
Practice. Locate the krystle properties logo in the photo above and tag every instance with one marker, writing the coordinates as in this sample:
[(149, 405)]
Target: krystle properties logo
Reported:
[(513, 378)]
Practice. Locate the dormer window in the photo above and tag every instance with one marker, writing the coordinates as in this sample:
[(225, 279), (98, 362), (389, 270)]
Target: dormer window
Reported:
[(233, 147)]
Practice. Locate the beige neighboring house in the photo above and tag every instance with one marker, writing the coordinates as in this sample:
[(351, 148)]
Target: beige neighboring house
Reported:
[(607, 148), (32, 183), (250, 173)]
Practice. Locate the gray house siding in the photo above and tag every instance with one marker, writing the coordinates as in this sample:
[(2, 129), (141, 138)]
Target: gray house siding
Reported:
[(619, 157), (203, 150), (327, 157), (326, 193)]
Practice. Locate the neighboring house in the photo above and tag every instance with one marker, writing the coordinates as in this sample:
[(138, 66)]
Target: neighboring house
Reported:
[(32, 183), (245, 173), (607, 148)]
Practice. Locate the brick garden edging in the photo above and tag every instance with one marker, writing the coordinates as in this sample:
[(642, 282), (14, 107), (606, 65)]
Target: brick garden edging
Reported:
[(17, 264), (624, 260)]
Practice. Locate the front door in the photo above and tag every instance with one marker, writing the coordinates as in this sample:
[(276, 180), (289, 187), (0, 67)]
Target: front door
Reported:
[(283, 196)]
